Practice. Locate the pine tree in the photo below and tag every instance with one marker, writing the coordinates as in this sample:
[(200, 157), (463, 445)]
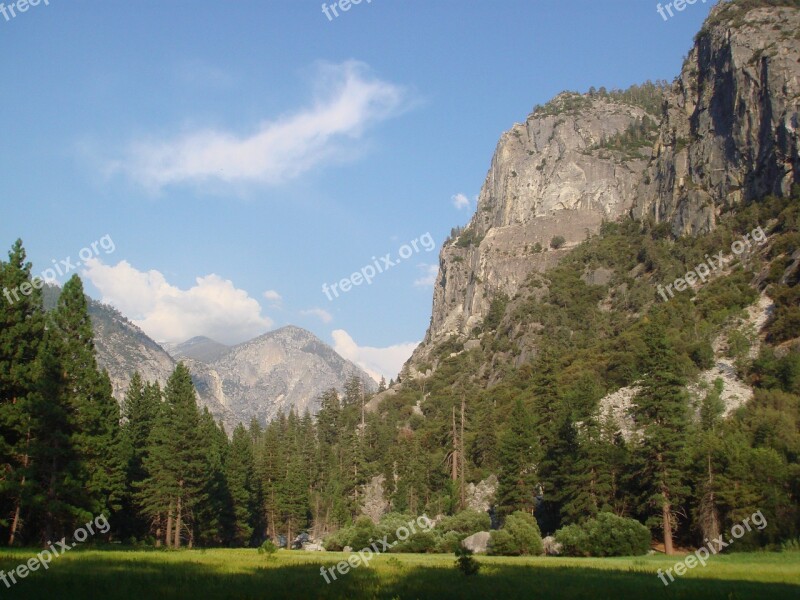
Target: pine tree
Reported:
[(175, 463), (484, 444), (705, 447), (517, 464), (212, 505), (21, 334), (239, 474), (56, 467), (139, 410), (97, 427), (271, 461), (661, 407)]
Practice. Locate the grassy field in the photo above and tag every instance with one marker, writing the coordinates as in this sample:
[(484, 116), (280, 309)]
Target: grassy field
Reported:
[(235, 574)]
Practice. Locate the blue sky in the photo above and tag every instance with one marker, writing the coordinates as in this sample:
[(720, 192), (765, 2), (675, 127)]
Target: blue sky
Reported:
[(239, 155)]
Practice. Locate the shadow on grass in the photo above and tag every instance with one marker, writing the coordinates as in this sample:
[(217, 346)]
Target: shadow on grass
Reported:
[(133, 575)]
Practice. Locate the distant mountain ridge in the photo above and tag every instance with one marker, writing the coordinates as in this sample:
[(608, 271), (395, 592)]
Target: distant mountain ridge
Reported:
[(290, 366), (199, 348), (285, 369)]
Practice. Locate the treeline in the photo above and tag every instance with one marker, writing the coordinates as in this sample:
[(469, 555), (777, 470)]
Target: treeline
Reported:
[(523, 404), (159, 467)]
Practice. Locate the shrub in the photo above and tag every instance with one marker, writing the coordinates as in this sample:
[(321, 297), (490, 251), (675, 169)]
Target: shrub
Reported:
[(791, 546), (605, 535), (449, 542), (390, 523), (466, 523), (364, 531), (268, 548), (465, 563), (418, 543), (502, 544), (557, 242), (520, 536), (356, 536)]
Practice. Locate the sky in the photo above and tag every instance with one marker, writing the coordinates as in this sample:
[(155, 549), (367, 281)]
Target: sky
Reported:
[(214, 167)]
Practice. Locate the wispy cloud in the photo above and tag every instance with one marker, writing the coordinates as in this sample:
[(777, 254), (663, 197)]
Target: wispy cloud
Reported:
[(460, 201), (273, 297), (213, 307), (322, 314), (348, 101), (429, 277)]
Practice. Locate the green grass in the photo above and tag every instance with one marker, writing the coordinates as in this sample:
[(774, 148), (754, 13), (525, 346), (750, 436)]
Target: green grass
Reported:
[(242, 574)]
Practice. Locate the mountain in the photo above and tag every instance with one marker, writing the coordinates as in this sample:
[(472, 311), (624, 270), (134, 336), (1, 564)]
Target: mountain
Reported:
[(729, 130), (199, 348), (550, 176), (283, 369), (724, 133)]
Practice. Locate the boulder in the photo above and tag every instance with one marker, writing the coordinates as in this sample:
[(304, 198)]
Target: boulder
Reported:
[(477, 542), (313, 547), (551, 546)]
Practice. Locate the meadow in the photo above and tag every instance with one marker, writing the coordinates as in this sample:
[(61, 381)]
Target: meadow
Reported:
[(244, 574)]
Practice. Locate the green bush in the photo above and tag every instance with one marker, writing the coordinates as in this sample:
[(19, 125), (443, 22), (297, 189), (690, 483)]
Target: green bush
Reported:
[(268, 548), (520, 536), (356, 536), (390, 523), (465, 563), (557, 242), (466, 522), (502, 544), (418, 543), (605, 535), (448, 542)]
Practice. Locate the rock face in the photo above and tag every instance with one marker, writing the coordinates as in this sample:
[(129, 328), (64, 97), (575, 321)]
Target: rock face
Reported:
[(122, 348), (280, 370), (730, 128), (374, 503), (726, 131), (549, 177), (481, 497)]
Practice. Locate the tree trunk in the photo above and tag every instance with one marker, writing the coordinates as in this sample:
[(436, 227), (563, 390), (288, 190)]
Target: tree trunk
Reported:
[(177, 542), (168, 537), (454, 466), (462, 457), (18, 508), (666, 515)]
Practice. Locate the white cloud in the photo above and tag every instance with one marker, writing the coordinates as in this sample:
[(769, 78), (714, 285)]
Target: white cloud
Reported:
[(322, 314), (273, 296), (347, 102), (378, 362), (460, 201), (213, 307), (431, 272)]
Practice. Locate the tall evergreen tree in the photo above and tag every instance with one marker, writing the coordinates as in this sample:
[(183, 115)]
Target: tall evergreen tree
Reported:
[(139, 412), (239, 474), (97, 428), (21, 334), (174, 463), (517, 464), (661, 407)]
